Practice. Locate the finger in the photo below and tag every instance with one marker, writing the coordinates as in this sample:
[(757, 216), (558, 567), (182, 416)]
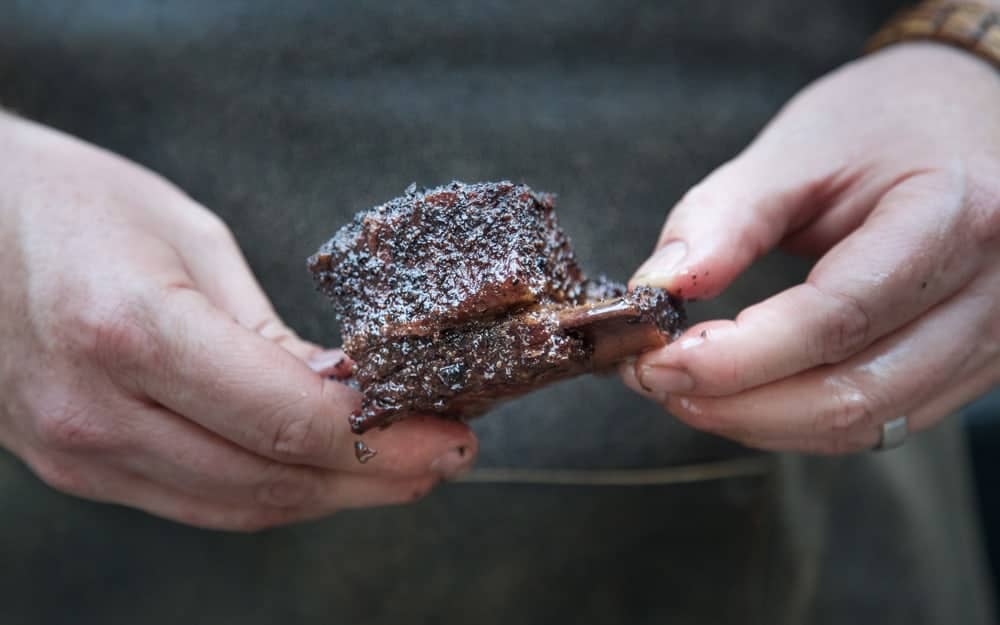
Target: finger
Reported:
[(331, 363), (186, 355), (961, 390), (111, 485), (738, 213), (977, 375), (894, 377), (966, 382), (905, 259), (815, 445), (851, 441), (627, 372), (955, 393), (958, 391), (165, 448), (404, 447), (220, 271)]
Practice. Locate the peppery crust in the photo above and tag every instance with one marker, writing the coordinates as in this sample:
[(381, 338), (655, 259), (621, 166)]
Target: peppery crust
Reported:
[(455, 298)]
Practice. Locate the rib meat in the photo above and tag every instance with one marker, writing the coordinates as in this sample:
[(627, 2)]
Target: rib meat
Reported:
[(452, 299)]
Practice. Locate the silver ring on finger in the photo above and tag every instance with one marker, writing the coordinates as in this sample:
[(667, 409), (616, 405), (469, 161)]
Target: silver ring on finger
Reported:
[(893, 434)]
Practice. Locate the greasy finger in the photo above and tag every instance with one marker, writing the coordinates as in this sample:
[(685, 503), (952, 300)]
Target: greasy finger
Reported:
[(199, 363), (962, 388), (169, 449), (906, 259), (627, 372), (891, 378), (740, 212)]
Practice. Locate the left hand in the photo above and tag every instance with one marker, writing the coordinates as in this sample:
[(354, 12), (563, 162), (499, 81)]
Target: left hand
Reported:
[(141, 363), (889, 171)]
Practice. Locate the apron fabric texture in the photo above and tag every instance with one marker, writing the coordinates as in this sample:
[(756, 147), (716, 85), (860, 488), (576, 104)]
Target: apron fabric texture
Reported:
[(589, 504)]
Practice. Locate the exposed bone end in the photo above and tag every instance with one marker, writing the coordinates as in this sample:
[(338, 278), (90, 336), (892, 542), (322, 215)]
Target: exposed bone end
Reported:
[(617, 328)]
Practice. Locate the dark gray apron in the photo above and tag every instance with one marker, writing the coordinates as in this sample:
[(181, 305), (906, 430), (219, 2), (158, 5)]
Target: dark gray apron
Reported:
[(286, 118)]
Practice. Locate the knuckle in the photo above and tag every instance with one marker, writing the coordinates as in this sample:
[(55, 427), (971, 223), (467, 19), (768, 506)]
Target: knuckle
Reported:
[(63, 424), (301, 438), (846, 410), (306, 432), (844, 332), (115, 336), (275, 330), (210, 228)]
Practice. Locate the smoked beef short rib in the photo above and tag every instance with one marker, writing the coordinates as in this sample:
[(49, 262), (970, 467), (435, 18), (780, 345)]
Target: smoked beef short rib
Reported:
[(452, 299)]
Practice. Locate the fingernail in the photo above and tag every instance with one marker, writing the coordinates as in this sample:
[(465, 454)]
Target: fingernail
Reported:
[(454, 463), (665, 379), (661, 266), (326, 361)]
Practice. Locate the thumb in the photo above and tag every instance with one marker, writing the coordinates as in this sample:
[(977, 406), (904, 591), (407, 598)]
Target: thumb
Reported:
[(737, 214)]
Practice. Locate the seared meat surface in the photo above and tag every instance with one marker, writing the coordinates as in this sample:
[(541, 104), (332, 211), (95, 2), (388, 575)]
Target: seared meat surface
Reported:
[(454, 298)]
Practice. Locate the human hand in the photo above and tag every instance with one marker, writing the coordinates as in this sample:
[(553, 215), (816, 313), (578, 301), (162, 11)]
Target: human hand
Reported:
[(889, 170), (141, 363)]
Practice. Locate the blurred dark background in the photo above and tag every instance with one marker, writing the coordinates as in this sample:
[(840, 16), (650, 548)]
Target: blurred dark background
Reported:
[(286, 118), (982, 423)]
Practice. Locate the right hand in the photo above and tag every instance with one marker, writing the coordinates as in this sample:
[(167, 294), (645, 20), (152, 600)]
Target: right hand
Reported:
[(141, 364), (886, 170)]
